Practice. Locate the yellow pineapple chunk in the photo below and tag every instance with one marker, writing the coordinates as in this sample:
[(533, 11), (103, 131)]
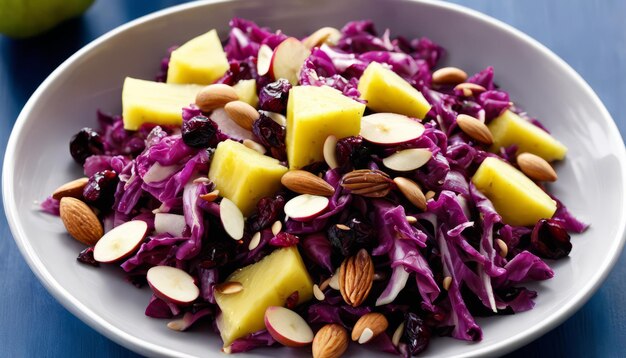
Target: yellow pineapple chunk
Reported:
[(385, 91), (155, 102), (200, 60), (266, 283), (246, 91), (314, 113), (244, 175), (515, 197), (509, 128)]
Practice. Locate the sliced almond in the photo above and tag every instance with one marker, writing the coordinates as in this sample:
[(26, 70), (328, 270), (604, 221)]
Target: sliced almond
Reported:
[(411, 219), (397, 334), (73, 189), (447, 281), (343, 227), (331, 341), (411, 191), (324, 285), (535, 167), (80, 221), (215, 96), (504, 249), (211, 196), (449, 76), (277, 117), (232, 219), (474, 128), (276, 227), (324, 35), (317, 292), (408, 159), (330, 154), (470, 89), (254, 242), (334, 280), (429, 195), (356, 276), (369, 326), (229, 288), (242, 113), (254, 145), (303, 182)]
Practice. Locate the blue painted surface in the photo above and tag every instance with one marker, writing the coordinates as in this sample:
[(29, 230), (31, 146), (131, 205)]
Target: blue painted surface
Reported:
[(589, 34)]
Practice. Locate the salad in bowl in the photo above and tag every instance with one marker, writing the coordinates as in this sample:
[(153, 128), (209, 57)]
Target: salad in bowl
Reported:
[(319, 192)]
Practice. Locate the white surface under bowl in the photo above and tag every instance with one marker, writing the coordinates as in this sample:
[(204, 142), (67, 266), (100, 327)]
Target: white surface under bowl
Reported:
[(592, 178)]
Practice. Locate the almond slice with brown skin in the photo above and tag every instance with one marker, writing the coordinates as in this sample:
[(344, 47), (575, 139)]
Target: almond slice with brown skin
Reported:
[(229, 288), (303, 182), (215, 96), (470, 89), (449, 76), (331, 341), (80, 221), (411, 191), (536, 167), (474, 128), (375, 322), (211, 196), (72, 189)]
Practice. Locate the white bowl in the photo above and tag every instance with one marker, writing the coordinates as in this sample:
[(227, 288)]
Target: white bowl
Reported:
[(592, 178)]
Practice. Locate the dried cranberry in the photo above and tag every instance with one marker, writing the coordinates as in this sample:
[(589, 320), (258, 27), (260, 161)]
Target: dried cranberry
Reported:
[(550, 240), (84, 144), (272, 135), (351, 236), (86, 257), (416, 333), (283, 239), (353, 151), (199, 132), (292, 300), (100, 189), (240, 70), (273, 96), (269, 210)]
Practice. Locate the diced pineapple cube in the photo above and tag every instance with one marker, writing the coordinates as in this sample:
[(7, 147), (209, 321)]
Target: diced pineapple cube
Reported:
[(515, 197), (200, 60), (314, 113), (246, 91), (155, 102), (268, 282), (509, 128), (385, 91), (244, 175)]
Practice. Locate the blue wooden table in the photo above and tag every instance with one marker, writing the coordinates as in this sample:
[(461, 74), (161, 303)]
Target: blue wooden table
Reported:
[(589, 34)]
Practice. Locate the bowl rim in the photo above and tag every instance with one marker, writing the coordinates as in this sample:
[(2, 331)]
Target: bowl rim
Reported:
[(112, 332)]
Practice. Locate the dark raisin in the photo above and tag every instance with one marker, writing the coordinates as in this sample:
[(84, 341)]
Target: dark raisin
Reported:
[(216, 253), (269, 210), (353, 151), (86, 257), (271, 135), (354, 234), (416, 333), (550, 240), (273, 96), (100, 189), (199, 132), (84, 144)]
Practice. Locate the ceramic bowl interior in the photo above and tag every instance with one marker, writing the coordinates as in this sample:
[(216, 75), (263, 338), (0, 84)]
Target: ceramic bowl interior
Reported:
[(37, 160)]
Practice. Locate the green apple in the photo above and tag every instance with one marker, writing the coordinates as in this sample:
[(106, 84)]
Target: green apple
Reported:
[(25, 18)]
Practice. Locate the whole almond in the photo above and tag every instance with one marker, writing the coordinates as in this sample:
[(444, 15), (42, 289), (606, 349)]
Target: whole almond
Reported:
[(242, 113), (470, 89), (535, 167), (303, 182), (356, 276), (72, 189), (375, 322), (411, 191), (215, 96), (331, 341), (80, 221), (474, 128), (366, 182), (449, 76)]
